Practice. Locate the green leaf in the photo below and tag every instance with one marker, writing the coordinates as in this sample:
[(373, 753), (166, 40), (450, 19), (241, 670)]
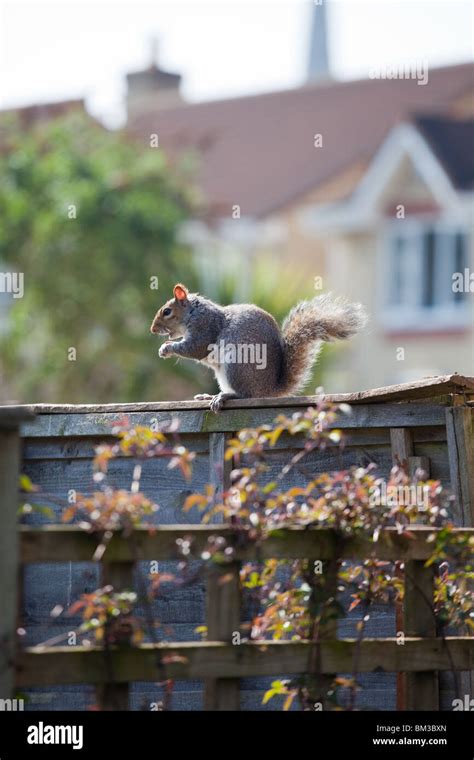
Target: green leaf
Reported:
[(26, 484)]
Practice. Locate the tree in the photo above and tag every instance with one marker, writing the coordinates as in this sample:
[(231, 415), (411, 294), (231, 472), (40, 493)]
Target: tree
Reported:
[(90, 218)]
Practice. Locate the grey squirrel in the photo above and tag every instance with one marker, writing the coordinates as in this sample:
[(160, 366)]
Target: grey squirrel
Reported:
[(249, 353)]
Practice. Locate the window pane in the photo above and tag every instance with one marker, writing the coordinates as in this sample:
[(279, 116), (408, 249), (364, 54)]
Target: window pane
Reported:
[(396, 291), (428, 270), (460, 262)]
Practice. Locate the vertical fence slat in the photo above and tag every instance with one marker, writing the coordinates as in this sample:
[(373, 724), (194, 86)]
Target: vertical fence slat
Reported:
[(328, 630), (460, 440), (459, 436), (222, 592), (9, 473), (223, 621), (115, 696), (422, 689), (401, 442)]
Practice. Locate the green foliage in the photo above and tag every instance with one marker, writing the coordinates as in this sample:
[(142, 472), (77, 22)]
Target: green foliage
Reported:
[(87, 279)]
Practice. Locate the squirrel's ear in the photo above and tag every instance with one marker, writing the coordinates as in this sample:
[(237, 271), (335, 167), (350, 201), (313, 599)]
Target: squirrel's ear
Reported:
[(180, 292)]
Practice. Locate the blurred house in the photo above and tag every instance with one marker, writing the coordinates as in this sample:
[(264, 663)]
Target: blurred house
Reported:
[(31, 115)]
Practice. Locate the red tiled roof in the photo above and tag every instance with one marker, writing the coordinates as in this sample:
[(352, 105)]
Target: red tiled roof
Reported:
[(32, 114), (259, 152)]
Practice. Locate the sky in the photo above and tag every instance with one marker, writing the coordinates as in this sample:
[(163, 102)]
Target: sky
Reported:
[(65, 49)]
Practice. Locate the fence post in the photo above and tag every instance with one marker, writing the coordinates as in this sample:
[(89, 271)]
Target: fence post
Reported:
[(327, 631), (10, 418), (459, 435), (422, 688), (113, 695), (223, 621), (401, 442), (222, 593), (460, 441)]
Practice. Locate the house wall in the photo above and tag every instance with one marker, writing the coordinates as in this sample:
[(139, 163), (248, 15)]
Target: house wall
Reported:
[(374, 358), (300, 248)]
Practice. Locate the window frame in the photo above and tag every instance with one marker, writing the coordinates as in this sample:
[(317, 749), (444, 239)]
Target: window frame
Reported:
[(411, 315)]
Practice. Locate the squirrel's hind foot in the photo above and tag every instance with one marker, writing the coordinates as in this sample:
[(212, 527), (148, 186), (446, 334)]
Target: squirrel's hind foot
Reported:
[(203, 397)]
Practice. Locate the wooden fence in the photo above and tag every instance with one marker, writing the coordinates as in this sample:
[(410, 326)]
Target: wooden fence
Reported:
[(218, 660), (407, 418)]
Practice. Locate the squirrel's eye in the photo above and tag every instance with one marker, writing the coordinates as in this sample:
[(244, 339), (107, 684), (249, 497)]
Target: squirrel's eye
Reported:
[(166, 312)]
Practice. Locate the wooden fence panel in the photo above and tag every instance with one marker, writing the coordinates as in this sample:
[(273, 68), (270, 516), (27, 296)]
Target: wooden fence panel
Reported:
[(429, 420)]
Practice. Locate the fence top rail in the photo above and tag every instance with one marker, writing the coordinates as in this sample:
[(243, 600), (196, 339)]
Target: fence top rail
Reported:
[(427, 388), (62, 543)]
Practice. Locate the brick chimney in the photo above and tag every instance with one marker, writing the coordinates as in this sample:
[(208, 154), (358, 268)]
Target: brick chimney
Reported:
[(318, 58), (152, 89)]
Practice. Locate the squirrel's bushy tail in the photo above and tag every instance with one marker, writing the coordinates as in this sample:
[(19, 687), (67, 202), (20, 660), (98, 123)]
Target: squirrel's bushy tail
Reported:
[(307, 326)]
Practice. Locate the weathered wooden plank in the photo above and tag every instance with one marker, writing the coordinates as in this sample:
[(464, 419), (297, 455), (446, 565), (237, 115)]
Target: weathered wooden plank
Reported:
[(58, 477), (37, 666), (401, 442), (429, 387), (459, 431), (318, 461), (55, 543), (9, 474), (114, 693), (219, 469), (436, 456), (223, 624), (45, 449), (402, 454), (222, 593), (83, 447), (402, 446), (93, 423), (422, 687), (460, 441), (321, 683)]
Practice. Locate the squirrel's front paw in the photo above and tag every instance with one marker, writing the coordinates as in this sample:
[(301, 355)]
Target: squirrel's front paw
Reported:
[(165, 350), (217, 403)]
